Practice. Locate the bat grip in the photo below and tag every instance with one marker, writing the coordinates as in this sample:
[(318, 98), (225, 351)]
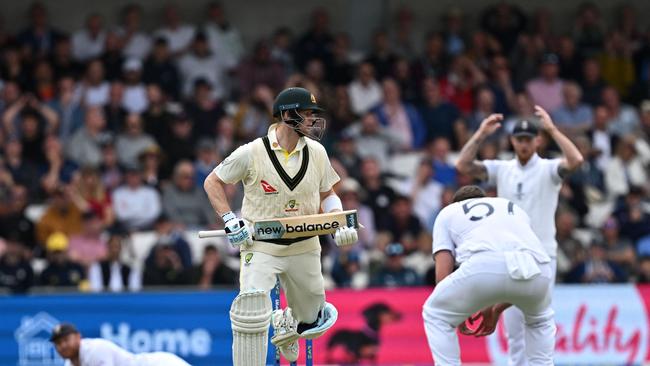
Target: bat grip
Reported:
[(211, 233)]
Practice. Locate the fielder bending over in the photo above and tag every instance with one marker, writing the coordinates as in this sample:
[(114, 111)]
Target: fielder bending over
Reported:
[(285, 173)]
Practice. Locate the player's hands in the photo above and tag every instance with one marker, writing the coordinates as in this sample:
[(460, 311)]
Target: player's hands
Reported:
[(237, 231), (489, 323), (345, 236), (464, 326), (544, 118), (491, 124)]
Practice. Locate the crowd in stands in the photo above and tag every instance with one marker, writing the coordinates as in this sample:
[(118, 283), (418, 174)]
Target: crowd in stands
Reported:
[(110, 131)]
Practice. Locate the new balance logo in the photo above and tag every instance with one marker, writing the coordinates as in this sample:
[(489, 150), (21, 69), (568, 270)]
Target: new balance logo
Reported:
[(268, 189)]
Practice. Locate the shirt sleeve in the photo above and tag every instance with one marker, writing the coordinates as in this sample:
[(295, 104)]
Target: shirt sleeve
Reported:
[(236, 166), (329, 177), (492, 168), (553, 165), (441, 236)]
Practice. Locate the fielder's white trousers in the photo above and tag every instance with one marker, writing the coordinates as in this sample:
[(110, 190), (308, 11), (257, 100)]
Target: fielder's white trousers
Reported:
[(300, 277), (481, 281), (513, 319)]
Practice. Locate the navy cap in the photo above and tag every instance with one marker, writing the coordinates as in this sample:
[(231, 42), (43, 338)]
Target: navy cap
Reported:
[(62, 330), (524, 128)]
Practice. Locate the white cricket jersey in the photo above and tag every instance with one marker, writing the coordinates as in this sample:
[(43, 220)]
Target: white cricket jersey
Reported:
[(488, 224), (279, 184), (102, 352), (535, 188)]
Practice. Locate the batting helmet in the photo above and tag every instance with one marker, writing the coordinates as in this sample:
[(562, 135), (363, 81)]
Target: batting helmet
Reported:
[(295, 100)]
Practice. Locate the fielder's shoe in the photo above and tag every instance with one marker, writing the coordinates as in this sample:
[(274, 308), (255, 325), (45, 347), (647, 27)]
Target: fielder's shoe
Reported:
[(285, 335)]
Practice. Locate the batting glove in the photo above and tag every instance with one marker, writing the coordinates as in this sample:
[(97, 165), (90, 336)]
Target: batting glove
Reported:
[(345, 236), (236, 230)]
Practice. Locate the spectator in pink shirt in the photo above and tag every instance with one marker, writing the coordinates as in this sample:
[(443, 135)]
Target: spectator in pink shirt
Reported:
[(546, 90), (88, 246)]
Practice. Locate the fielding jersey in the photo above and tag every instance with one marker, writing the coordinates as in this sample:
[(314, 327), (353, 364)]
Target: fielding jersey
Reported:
[(535, 188), (279, 184), (485, 224)]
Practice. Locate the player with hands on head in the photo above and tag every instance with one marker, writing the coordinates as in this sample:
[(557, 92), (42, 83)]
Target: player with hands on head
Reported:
[(285, 173), (531, 182)]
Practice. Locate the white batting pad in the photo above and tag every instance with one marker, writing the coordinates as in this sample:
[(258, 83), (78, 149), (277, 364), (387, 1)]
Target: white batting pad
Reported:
[(250, 315), (325, 322)]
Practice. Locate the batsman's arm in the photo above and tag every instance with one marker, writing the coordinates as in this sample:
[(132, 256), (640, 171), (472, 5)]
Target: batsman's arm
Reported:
[(213, 186), (330, 202)]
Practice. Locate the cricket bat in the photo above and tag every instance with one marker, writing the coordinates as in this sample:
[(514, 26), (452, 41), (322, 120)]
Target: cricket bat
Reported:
[(296, 226)]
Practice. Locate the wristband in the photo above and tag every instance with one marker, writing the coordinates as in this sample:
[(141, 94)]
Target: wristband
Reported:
[(228, 216)]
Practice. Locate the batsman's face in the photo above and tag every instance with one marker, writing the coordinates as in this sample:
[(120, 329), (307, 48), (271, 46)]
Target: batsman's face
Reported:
[(524, 146), (68, 345), (312, 124)]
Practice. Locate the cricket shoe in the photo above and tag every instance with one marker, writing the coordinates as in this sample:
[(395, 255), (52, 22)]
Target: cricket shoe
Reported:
[(285, 334)]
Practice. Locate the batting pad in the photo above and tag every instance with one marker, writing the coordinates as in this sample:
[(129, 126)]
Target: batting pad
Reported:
[(250, 315), (325, 321)]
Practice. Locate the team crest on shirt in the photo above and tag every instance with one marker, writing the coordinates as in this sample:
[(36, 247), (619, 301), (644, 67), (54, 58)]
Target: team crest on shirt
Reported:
[(268, 189), (291, 206)]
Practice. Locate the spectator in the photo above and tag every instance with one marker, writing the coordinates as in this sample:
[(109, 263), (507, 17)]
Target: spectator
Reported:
[(200, 63), (571, 251), (570, 60), (596, 268), (58, 170), (365, 92), (433, 63), (133, 141), (347, 270), (226, 136), (340, 113), (588, 29), (113, 58), (203, 109), (592, 83), (184, 202), (483, 107), (351, 195), (625, 169), (619, 251), (110, 273), (644, 270), (404, 77), (224, 39), (137, 44), (624, 118), (505, 22), (403, 225), (207, 159), (166, 268), (340, 69), (460, 83), (160, 69), (61, 215), (114, 110), (634, 218), (84, 146), (260, 69), (94, 89), (16, 273), (403, 38), (136, 206), (43, 81), (424, 192), (169, 233), (617, 64), (602, 139), (213, 271), (573, 116), (454, 31), (588, 179), (88, 246), (62, 60), (373, 139), (178, 34), (151, 161), (19, 170), (394, 273), (134, 99), (181, 143), (379, 196), (111, 172), (381, 56), (68, 108), (401, 119), (88, 43), (90, 195), (157, 118), (438, 151), (546, 90), (39, 38), (316, 43), (440, 118), (501, 83), (14, 223), (61, 271), (345, 152)]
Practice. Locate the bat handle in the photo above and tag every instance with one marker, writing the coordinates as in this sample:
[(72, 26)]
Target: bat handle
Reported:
[(211, 233)]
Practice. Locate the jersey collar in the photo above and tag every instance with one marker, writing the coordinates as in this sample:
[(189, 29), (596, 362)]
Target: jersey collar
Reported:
[(275, 145), (533, 160)]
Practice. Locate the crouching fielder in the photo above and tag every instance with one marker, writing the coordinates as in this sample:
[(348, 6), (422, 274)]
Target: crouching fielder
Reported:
[(285, 173), (101, 352), (502, 263)]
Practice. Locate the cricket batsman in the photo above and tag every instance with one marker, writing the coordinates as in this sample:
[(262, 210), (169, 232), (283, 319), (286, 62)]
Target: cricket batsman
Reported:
[(285, 173)]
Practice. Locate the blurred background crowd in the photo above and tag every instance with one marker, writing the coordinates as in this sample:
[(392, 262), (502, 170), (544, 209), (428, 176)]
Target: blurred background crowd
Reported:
[(107, 133)]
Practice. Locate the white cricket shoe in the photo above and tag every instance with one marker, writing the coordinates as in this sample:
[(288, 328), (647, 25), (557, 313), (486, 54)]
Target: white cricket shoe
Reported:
[(285, 335)]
